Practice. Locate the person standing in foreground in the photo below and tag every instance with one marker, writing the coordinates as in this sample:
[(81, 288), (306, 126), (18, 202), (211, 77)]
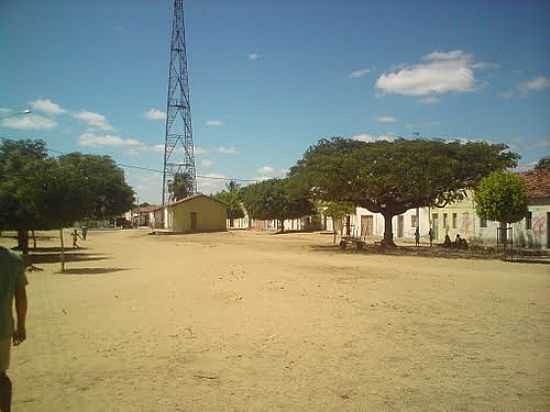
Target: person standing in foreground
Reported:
[(12, 285)]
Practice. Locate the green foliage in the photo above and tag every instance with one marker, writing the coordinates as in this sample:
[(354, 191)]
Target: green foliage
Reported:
[(543, 164), (336, 210), (181, 186), (39, 192), (231, 196), (392, 177), (502, 196), (272, 199), (104, 192)]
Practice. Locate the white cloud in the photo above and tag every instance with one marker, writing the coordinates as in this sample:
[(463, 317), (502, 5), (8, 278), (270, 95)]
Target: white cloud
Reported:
[(206, 162), (369, 138), (28, 122), (439, 73), (534, 85), (211, 183), (93, 119), (46, 106), (199, 150), (155, 114), (159, 148), (95, 140), (227, 150), (253, 56), (359, 73), (214, 123), (266, 170), (386, 119), (269, 172)]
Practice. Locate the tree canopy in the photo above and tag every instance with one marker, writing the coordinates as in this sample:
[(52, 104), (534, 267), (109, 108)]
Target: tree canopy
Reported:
[(502, 196), (41, 192), (273, 199), (543, 164), (231, 196), (181, 186), (392, 177)]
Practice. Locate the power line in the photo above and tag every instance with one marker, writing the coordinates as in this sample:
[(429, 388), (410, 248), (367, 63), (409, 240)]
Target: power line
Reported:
[(149, 169)]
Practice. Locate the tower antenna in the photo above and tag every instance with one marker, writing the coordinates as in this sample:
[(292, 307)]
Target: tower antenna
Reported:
[(179, 151)]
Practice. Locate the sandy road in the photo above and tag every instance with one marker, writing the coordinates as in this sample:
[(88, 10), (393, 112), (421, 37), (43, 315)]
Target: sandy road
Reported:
[(244, 321)]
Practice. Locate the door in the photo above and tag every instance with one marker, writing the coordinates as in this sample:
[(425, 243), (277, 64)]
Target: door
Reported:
[(435, 225), (366, 226), (400, 220), (548, 230), (193, 221)]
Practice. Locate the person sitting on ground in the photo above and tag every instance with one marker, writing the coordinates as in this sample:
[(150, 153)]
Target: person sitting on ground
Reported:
[(458, 241), (447, 242)]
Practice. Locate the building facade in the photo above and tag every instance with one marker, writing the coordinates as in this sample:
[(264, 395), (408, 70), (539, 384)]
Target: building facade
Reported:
[(461, 218), (197, 213)]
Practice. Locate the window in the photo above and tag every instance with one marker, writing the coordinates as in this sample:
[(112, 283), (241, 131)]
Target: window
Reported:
[(445, 220), (454, 220), (529, 220), (482, 222), (413, 220)]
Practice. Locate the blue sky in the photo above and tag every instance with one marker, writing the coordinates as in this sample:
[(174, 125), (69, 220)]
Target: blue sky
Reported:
[(269, 78)]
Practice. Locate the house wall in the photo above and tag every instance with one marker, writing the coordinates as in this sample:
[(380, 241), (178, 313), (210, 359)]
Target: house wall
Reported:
[(211, 215), (465, 222)]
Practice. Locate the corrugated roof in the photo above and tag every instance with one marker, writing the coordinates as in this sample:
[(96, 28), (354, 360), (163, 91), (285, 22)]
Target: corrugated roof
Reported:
[(538, 183)]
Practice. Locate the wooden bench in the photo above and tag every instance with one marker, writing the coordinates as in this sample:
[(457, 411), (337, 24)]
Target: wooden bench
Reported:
[(351, 241)]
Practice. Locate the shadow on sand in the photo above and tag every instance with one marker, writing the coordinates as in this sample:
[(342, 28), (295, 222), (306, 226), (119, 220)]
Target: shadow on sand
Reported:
[(91, 271), (69, 257)]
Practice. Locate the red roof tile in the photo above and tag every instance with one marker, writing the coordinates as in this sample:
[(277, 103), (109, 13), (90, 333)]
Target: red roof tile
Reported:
[(538, 183)]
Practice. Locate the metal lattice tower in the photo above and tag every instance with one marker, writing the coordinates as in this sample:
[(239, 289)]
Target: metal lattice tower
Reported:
[(179, 152)]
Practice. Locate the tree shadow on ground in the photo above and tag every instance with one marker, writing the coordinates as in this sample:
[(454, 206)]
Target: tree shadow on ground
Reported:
[(422, 251), (69, 257), (54, 249), (91, 271)]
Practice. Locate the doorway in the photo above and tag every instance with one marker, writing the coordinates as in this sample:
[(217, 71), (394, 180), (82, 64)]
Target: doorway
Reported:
[(400, 220), (367, 228), (193, 221), (548, 230)]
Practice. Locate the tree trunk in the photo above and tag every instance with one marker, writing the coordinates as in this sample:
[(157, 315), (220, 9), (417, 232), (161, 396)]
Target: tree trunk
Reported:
[(33, 239), (388, 231), (230, 222), (282, 221), (348, 225), (62, 254), (23, 241)]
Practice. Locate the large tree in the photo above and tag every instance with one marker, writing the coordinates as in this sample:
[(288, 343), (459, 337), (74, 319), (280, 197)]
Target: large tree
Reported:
[(40, 192), (231, 196), (274, 199), (181, 186), (392, 177), (502, 196)]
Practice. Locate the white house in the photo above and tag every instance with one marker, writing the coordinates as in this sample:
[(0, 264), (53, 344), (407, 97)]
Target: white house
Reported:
[(461, 218)]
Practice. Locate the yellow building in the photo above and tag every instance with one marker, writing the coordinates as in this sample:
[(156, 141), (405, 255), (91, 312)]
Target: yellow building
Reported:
[(196, 213)]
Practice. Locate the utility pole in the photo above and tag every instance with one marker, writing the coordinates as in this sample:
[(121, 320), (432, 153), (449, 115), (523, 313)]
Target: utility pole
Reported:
[(179, 151)]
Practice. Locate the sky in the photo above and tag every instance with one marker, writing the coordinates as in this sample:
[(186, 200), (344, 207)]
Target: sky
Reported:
[(270, 78)]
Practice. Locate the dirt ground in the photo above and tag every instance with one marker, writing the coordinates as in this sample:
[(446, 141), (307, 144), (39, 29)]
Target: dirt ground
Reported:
[(245, 321)]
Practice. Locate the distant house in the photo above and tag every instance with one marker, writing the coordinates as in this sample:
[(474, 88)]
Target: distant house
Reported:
[(142, 216), (461, 218), (196, 213)]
